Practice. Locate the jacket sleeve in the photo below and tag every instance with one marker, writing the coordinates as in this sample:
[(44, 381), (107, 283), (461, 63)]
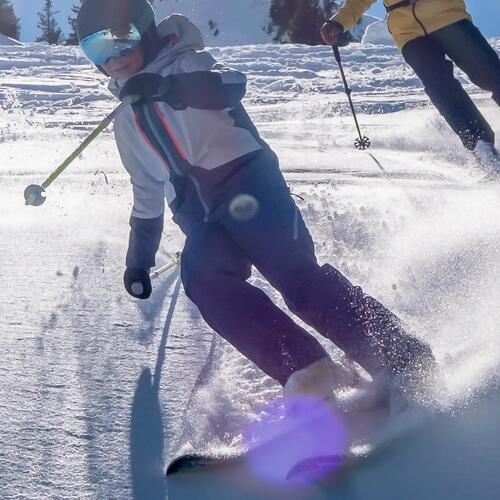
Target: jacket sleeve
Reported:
[(206, 84), (144, 241), (351, 12), (146, 221)]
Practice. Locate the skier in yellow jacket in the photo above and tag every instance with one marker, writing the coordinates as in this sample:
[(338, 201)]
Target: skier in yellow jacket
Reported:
[(432, 35)]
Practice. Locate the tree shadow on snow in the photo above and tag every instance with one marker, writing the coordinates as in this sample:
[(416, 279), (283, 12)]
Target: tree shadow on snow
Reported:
[(146, 430)]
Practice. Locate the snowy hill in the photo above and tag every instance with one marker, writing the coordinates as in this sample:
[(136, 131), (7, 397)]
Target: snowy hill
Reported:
[(5, 40), (360, 28), (377, 33), (224, 22), (98, 391), (234, 22)]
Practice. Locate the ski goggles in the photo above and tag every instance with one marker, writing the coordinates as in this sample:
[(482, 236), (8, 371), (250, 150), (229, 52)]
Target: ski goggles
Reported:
[(102, 45)]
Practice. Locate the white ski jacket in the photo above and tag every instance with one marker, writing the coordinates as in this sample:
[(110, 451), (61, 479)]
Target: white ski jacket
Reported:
[(163, 148)]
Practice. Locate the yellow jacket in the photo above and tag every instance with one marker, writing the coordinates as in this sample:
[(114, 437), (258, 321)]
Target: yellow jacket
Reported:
[(409, 22)]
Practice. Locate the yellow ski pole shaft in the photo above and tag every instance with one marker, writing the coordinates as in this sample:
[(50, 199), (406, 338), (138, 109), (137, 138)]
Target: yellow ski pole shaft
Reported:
[(34, 194)]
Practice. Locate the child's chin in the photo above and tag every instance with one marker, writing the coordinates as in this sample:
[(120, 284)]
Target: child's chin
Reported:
[(122, 74)]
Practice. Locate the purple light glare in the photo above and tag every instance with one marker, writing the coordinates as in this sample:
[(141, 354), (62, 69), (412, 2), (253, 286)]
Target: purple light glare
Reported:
[(311, 430)]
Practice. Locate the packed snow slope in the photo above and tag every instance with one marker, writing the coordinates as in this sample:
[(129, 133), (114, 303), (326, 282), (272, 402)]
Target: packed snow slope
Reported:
[(98, 391)]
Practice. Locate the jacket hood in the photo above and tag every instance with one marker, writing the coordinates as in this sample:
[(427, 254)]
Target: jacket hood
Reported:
[(177, 35)]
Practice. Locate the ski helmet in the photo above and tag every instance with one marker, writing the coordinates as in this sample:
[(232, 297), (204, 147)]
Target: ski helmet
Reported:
[(97, 15)]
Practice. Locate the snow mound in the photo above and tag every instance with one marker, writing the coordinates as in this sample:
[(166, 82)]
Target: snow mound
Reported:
[(359, 30), (377, 33), (5, 40), (222, 22)]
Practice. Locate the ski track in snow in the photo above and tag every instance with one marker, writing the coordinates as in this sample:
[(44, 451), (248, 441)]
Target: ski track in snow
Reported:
[(95, 386)]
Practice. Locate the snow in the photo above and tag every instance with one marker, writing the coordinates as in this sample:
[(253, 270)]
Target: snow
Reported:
[(437, 460), (377, 33), (5, 40), (360, 28), (220, 21), (98, 391)]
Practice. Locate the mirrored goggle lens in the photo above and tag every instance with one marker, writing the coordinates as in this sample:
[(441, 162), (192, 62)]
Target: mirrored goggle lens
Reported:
[(100, 46)]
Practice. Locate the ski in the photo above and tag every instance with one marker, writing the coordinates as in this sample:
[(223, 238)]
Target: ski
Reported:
[(197, 461)]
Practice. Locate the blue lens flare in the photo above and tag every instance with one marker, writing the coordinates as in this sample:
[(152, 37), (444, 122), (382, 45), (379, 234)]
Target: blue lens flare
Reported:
[(102, 45)]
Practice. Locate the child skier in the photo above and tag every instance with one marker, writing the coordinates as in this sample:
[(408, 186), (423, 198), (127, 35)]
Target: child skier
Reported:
[(427, 32), (186, 138)]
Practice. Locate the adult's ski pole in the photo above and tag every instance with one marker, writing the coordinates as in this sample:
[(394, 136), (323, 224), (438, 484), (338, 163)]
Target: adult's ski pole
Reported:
[(34, 194), (362, 142)]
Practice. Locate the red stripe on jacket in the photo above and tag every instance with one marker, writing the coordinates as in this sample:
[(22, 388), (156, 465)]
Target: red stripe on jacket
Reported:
[(146, 139), (169, 131)]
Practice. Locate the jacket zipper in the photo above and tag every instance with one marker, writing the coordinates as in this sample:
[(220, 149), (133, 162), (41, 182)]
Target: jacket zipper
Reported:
[(153, 128), (172, 163), (418, 20), (407, 3), (200, 196)]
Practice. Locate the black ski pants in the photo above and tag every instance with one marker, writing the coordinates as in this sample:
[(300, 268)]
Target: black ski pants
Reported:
[(465, 46), (216, 263)]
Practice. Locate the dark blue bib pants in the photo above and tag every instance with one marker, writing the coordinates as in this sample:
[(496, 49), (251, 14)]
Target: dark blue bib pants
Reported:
[(432, 57), (217, 260)]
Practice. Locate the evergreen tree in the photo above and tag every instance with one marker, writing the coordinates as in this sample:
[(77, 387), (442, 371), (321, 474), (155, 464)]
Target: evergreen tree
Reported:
[(299, 21), (306, 23), (9, 23), (330, 7), (281, 12), (51, 33), (72, 38)]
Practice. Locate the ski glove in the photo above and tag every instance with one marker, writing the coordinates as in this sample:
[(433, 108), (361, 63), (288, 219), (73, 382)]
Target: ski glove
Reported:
[(137, 282), (332, 33), (152, 87)]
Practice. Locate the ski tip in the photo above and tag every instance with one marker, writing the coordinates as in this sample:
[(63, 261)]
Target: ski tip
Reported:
[(193, 462), (315, 466), (184, 462)]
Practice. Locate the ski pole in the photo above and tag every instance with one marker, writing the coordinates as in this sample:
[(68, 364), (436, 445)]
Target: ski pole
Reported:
[(138, 288), (34, 194), (362, 142), (174, 262)]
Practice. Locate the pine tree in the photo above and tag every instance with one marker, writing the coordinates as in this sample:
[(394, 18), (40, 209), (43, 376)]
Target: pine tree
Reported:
[(330, 7), (299, 21), (51, 33), (9, 23), (306, 23), (72, 38), (281, 12)]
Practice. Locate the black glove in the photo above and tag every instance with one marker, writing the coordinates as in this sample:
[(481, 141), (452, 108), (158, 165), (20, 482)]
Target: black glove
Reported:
[(152, 87), (137, 282), (332, 33)]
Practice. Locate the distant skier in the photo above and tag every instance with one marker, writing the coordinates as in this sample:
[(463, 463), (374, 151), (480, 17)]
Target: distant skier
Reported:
[(185, 137), (427, 32)]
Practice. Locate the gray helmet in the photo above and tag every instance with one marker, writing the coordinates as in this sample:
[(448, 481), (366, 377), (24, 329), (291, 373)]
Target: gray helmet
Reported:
[(96, 15)]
